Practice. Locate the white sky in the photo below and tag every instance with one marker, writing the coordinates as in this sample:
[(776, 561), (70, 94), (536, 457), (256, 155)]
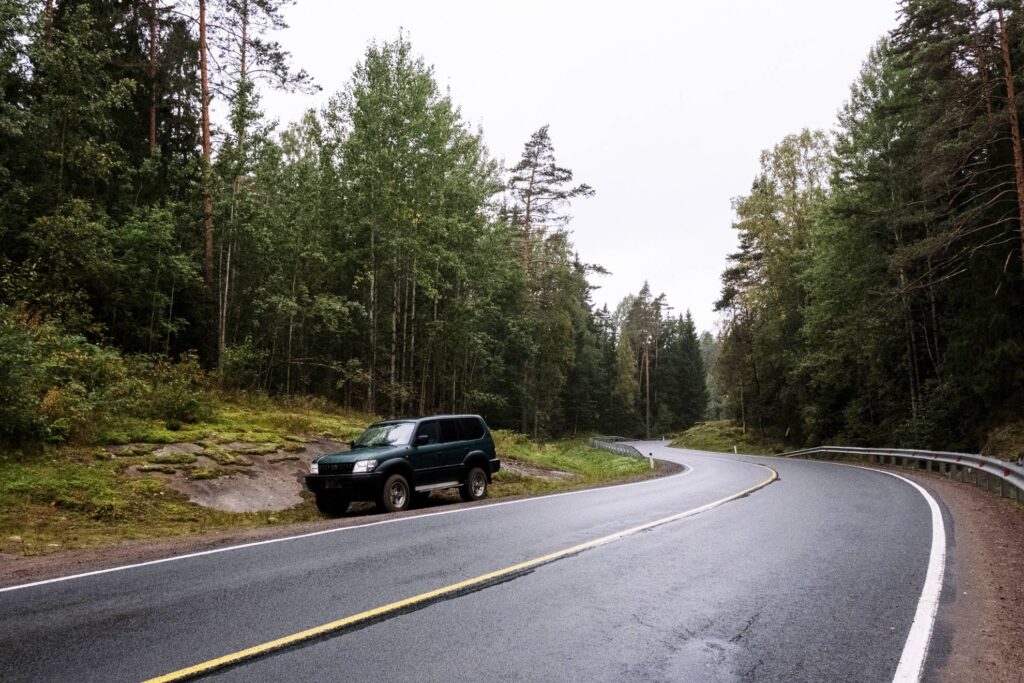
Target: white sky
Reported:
[(663, 107)]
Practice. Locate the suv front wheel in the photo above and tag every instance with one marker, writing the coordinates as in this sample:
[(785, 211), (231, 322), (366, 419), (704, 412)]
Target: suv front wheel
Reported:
[(475, 487), (396, 495), (332, 504)]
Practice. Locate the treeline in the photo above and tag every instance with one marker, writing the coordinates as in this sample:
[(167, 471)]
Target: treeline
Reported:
[(373, 252), (876, 297)]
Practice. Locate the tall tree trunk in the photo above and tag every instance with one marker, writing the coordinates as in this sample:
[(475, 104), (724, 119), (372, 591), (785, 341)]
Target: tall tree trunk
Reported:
[(370, 388), (394, 340), (170, 319), (647, 379), (428, 363), (291, 331), (223, 326), (412, 335), (743, 409), (527, 219), (48, 32), (402, 370), (152, 75), (243, 67), (524, 422), (204, 78), (1011, 97)]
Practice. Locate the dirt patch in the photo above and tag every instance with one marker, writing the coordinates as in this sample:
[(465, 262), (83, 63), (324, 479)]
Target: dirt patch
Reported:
[(525, 469), (172, 449), (986, 614), (264, 478)]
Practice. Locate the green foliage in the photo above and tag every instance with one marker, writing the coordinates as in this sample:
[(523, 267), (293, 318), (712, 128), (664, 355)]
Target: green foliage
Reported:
[(586, 465), (723, 436), (372, 252), (70, 500), (58, 387), (658, 381), (886, 308)]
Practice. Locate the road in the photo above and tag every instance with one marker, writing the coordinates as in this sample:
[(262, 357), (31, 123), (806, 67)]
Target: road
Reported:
[(815, 576)]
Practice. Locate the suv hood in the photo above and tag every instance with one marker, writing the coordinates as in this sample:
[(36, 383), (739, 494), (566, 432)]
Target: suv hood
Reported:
[(378, 452)]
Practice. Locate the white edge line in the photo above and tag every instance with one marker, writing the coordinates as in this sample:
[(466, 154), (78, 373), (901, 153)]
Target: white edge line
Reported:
[(915, 649), (214, 551)]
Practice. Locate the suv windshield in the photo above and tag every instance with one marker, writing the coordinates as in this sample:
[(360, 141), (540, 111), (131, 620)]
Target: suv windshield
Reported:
[(394, 434)]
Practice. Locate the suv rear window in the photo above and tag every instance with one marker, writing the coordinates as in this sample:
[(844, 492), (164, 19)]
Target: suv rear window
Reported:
[(472, 428), (450, 431)]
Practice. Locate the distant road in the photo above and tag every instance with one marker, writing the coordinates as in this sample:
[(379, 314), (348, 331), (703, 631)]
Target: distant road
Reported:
[(816, 576)]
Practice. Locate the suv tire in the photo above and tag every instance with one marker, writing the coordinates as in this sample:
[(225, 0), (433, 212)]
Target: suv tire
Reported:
[(332, 504), (396, 495), (475, 487)]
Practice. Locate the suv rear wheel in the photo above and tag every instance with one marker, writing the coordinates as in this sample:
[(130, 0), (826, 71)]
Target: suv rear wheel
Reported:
[(396, 495), (333, 504), (475, 487)]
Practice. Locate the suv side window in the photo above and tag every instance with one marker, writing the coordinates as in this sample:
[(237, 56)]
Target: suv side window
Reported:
[(431, 429), (472, 428), (450, 431)]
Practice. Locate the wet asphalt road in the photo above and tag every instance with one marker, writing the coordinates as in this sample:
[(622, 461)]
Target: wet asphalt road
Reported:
[(815, 577)]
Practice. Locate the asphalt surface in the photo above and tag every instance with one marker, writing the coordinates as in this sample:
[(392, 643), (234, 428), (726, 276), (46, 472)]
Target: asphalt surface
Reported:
[(814, 577)]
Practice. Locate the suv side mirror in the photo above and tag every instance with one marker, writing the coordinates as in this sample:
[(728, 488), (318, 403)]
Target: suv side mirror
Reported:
[(422, 439)]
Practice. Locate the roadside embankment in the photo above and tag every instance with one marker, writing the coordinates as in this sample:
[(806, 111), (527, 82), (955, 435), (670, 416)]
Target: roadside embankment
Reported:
[(986, 594), (233, 479), (723, 436)]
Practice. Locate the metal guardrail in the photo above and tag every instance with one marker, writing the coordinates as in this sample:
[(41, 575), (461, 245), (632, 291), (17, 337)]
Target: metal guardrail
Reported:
[(614, 444), (999, 476)]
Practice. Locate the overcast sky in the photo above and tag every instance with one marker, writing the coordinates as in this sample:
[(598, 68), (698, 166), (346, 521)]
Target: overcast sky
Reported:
[(662, 107)]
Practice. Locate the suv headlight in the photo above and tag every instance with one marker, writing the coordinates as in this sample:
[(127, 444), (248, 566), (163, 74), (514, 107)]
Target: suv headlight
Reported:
[(364, 466), (314, 468)]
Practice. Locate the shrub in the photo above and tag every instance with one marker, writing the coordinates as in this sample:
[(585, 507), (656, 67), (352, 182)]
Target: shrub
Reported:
[(178, 390), (58, 387)]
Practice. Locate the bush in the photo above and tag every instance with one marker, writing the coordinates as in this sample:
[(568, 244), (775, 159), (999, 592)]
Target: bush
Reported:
[(57, 387), (178, 391)]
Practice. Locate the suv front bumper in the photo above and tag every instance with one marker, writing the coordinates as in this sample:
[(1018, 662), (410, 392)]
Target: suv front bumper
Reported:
[(355, 486)]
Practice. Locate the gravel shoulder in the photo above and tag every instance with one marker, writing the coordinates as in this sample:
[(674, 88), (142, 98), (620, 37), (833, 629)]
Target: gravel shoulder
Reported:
[(981, 625)]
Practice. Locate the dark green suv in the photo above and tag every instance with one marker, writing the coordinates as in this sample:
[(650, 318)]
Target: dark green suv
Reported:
[(397, 461)]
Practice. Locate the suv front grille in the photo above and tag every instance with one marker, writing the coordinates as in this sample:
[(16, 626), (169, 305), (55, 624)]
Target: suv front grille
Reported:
[(336, 467)]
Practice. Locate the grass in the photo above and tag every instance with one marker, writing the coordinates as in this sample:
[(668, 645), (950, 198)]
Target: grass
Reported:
[(722, 435), (1005, 441), (172, 459), (79, 496), (588, 466), (271, 424), (69, 499)]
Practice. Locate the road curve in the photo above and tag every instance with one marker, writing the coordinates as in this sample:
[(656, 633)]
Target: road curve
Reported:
[(816, 576)]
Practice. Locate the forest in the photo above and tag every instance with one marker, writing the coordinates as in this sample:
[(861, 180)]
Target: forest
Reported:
[(876, 295), (164, 239)]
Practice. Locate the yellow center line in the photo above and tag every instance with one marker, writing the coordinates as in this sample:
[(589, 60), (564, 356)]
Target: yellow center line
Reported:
[(431, 596)]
